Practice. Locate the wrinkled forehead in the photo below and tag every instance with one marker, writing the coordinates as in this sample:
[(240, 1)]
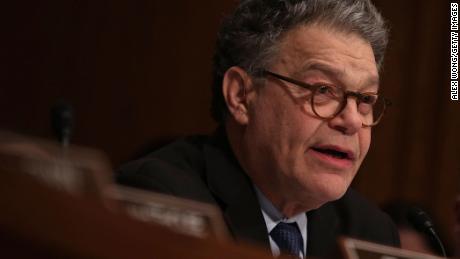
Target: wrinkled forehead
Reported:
[(346, 56)]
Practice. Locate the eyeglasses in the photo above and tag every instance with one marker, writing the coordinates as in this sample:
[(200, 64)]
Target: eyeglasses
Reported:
[(327, 101)]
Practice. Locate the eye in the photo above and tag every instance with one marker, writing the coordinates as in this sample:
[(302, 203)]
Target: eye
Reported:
[(326, 94), (328, 91), (368, 99), (367, 103), (324, 89)]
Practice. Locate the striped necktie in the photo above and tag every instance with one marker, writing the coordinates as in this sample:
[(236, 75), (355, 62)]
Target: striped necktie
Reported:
[(288, 238)]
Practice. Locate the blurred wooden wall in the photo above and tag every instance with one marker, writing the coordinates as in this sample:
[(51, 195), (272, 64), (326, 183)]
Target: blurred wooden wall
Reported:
[(137, 71), (416, 151)]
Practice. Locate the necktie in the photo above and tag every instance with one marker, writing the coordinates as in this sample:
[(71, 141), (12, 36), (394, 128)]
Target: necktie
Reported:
[(288, 238)]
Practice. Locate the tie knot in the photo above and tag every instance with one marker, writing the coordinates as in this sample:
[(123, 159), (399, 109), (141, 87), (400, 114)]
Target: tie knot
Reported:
[(288, 238)]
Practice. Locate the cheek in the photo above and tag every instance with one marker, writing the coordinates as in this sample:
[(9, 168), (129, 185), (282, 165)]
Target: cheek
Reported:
[(281, 129), (274, 132), (270, 116)]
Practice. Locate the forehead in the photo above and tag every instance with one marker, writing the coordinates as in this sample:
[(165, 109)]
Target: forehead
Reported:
[(345, 56)]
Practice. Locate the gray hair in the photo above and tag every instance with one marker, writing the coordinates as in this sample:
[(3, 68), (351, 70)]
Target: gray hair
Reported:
[(249, 37)]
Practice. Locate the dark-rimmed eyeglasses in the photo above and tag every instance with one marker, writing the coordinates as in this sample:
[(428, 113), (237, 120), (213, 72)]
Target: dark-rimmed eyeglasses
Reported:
[(327, 101)]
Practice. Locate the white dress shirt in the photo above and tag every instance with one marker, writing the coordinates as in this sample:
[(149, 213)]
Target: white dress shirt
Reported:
[(273, 216)]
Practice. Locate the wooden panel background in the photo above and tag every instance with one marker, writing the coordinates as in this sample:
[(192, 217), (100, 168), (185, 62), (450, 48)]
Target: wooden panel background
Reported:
[(137, 71)]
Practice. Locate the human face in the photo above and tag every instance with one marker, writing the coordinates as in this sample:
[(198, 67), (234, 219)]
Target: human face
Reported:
[(289, 148)]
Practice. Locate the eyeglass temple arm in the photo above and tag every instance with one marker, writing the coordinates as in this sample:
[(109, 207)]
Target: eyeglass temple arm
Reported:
[(287, 79)]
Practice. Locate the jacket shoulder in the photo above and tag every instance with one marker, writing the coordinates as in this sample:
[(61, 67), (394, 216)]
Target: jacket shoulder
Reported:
[(177, 169), (364, 220)]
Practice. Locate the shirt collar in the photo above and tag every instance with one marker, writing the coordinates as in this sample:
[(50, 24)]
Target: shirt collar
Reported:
[(274, 215)]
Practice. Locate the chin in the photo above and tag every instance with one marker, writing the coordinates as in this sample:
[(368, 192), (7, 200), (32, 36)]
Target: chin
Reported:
[(331, 189), (337, 194)]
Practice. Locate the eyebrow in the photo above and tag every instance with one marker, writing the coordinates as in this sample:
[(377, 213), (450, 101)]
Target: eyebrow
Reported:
[(337, 73)]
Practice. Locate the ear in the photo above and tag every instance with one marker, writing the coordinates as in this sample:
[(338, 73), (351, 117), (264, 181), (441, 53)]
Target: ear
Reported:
[(235, 86)]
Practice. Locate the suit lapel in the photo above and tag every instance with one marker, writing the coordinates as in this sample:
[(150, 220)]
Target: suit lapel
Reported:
[(236, 196), (234, 192), (322, 231)]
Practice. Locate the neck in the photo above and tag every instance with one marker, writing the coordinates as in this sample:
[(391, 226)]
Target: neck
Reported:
[(288, 207)]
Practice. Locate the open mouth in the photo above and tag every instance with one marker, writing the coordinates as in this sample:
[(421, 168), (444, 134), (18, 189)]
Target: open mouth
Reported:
[(334, 153)]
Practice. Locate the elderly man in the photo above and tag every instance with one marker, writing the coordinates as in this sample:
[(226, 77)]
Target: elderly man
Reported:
[(296, 94)]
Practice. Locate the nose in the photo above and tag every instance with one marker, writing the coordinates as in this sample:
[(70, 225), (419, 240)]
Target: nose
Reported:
[(349, 120)]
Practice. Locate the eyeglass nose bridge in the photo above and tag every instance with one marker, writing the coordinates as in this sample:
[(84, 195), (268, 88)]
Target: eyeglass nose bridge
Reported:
[(356, 95)]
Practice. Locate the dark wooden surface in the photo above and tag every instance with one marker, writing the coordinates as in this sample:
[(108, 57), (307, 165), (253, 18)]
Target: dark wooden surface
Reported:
[(38, 222)]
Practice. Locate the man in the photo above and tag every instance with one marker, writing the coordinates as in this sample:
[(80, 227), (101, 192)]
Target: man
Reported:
[(296, 94)]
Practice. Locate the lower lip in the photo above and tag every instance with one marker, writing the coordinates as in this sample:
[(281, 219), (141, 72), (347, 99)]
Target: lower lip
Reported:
[(332, 161)]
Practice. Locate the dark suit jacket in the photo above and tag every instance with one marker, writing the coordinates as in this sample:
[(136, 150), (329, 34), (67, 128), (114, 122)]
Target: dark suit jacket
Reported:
[(205, 169)]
